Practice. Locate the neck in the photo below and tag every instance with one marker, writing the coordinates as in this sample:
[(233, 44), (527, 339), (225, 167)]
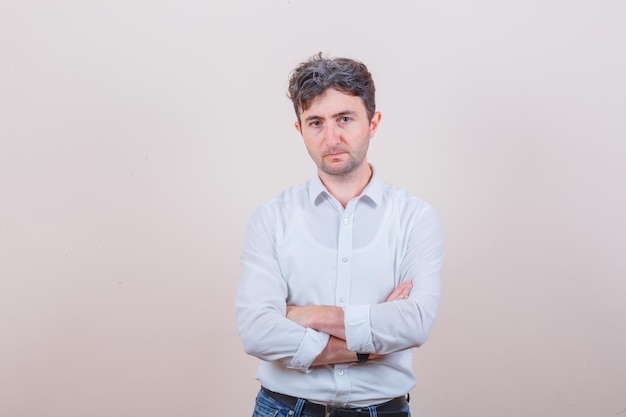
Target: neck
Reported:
[(347, 186)]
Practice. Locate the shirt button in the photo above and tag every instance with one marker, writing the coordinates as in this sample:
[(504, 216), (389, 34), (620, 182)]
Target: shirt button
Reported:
[(345, 221), (342, 299), (340, 372), (344, 259)]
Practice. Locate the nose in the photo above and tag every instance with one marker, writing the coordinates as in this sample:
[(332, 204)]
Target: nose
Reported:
[(331, 135)]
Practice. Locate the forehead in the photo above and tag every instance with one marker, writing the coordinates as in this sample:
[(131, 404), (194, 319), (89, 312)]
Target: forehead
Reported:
[(332, 102)]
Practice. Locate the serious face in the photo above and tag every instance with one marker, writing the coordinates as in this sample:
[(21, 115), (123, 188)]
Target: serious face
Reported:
[(337, 132)]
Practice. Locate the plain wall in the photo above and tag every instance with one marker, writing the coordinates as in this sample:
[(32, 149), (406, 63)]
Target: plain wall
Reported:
[(136, 138)]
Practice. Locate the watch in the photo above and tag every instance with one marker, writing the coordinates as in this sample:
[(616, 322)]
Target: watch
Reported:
[(362, 357)]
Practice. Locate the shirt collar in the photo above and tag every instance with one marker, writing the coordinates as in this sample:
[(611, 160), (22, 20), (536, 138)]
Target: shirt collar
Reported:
[(373, 190)]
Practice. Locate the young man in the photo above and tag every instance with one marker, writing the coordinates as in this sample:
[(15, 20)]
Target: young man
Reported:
[(341, 275)]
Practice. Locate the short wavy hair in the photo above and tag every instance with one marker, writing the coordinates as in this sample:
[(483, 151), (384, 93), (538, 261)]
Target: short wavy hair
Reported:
[(317, 74)]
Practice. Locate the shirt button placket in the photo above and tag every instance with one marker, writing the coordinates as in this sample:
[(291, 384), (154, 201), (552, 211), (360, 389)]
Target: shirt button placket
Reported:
[(342, 381), (344, 254), (342, 295)]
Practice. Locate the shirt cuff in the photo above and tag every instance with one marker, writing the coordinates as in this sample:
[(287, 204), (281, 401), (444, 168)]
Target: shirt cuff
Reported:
[(358, 329), (312, 344)]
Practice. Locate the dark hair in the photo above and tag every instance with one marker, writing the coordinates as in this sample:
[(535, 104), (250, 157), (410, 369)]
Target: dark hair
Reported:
[(317, 74)]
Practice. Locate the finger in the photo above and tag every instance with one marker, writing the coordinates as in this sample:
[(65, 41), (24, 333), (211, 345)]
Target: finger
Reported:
[(394, 294), (405, 290), (402, 291)]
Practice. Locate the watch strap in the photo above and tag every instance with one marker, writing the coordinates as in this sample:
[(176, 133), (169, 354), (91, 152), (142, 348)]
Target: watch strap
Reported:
[(362, 357)]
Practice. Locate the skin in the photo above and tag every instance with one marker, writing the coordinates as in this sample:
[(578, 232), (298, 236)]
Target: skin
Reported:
[(329, 319), (336, 132)]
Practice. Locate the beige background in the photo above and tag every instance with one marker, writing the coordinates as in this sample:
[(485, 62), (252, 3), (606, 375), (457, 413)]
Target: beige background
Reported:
[(136, 138)]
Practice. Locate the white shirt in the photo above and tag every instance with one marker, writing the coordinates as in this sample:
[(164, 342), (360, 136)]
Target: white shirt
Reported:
[(303, 248)]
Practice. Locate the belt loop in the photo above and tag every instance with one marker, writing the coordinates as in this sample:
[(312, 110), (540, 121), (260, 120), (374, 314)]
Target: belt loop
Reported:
[(298, 409), (373, 412)]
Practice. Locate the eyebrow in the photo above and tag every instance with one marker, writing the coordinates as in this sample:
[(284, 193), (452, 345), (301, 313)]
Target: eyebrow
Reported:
[(334, 116)]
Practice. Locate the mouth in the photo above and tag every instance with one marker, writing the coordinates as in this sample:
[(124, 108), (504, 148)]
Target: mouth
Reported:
[(334, 154)]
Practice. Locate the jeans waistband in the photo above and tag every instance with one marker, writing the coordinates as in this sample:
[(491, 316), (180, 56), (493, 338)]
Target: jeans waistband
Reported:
[(321, 410)]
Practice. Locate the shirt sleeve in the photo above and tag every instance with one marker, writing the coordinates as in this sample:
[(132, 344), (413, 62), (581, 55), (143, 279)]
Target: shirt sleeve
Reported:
[(358, 329), (260, 304), (402, 324)]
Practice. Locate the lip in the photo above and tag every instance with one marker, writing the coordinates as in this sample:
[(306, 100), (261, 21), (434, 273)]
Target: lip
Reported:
[(334, 154)]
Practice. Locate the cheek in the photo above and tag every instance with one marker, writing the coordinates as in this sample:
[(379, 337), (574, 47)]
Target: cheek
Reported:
[(311, 148), (311, 141)]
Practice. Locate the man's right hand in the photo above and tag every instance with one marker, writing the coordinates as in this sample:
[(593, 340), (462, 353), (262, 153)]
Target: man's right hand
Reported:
[(401, 292)]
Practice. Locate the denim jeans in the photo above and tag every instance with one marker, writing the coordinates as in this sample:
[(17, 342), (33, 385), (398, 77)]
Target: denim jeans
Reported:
[(266, 406)]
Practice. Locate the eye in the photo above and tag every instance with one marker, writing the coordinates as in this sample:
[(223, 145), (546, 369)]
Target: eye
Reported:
[(315, 123), (344, 119)]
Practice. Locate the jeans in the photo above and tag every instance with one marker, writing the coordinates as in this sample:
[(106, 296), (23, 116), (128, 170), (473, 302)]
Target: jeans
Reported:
[(266, 406)]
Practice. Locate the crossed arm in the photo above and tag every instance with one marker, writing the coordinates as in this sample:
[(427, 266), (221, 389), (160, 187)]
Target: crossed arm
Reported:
[(330, 320)]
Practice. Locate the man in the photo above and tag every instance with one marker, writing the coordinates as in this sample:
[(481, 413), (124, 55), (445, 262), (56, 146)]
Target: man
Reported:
[(341, 275)]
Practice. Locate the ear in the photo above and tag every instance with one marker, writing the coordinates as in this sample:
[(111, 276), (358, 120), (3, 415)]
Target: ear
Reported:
[(297, 126), (374, 123)]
